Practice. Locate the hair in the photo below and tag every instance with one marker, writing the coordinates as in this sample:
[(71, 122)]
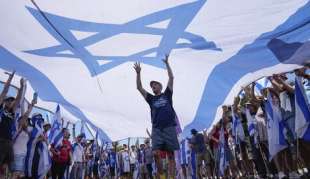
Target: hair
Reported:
[(8, 99)]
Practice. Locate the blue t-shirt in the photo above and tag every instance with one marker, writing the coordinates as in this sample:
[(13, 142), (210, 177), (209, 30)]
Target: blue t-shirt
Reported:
[(162, 112), (199, 143), (112, 159)]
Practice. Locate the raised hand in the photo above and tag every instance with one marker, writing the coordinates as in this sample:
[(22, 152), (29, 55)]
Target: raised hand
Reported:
[(165, 60), (10, 74), (137, 67), (22, 82), (34, 99)]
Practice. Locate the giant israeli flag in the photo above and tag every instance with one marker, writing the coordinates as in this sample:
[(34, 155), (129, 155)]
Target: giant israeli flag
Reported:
[(80, 53)]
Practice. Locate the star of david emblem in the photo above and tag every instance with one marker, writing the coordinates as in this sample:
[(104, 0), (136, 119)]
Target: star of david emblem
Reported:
[(179, 18)]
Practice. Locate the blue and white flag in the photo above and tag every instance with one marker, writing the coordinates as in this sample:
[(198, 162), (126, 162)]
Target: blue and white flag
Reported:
[(251, 122), (302, 114), (237, 128), (193, 164), (56, 135), (276, 139), (44, 160), (82, 57), (223, 162), (184, 152)]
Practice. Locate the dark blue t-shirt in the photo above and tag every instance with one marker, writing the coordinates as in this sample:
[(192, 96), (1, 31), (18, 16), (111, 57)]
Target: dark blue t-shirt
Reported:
[(6, 123), (162, 112), (199, 143)]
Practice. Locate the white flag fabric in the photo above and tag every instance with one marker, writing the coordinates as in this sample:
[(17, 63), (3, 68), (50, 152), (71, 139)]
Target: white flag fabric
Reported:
[(251, 122), (302, 117), (56, 134), (223, 161), (276, 140), (80, 54)]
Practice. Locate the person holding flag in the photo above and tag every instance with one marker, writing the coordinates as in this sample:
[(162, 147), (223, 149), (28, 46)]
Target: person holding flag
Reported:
[(38, 161), (20, 142), (302, 118)]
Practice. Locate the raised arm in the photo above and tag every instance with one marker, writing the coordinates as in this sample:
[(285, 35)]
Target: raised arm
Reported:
[(19, 95), (137, 68), (6, 87), (148, 132), (284, 85), (302, 72), (170, 74), (275, 84), (24, 121)]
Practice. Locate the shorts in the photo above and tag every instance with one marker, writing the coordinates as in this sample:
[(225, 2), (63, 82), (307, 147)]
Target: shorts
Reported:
[(18, 164), (6, 152), (165, 139), (202, 157), (142, 168)]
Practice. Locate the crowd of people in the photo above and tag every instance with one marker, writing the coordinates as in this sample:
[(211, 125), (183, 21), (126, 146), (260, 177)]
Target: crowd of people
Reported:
[(265, 133)]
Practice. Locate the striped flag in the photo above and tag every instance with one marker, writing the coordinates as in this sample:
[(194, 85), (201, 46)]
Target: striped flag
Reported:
[(276, 140), (251, 122), (184, 148), (56, 135), (45, 161), (302, 116), (223, 158), (43, 153), (237, 129), (193, 164)]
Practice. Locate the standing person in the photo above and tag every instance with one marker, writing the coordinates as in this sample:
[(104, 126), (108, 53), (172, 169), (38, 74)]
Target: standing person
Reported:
[(112, 161), (37, 159), (20, 143), (132, 159), (62, 156), (141, 159), (124, 162), (8, 107), (78, 159), (201, 153), (164, 135), (148, 158)]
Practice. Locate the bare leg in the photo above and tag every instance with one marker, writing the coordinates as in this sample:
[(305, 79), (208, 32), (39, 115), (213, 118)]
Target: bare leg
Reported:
[(158, 162), (171, 164)]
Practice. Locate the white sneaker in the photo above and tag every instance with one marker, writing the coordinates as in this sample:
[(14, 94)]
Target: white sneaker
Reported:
[(305, 170), (281, 175)]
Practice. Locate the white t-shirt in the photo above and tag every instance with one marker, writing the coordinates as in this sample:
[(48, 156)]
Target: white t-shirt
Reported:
[(20, 144), (133, 157), (78, 153), (125, 160)]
